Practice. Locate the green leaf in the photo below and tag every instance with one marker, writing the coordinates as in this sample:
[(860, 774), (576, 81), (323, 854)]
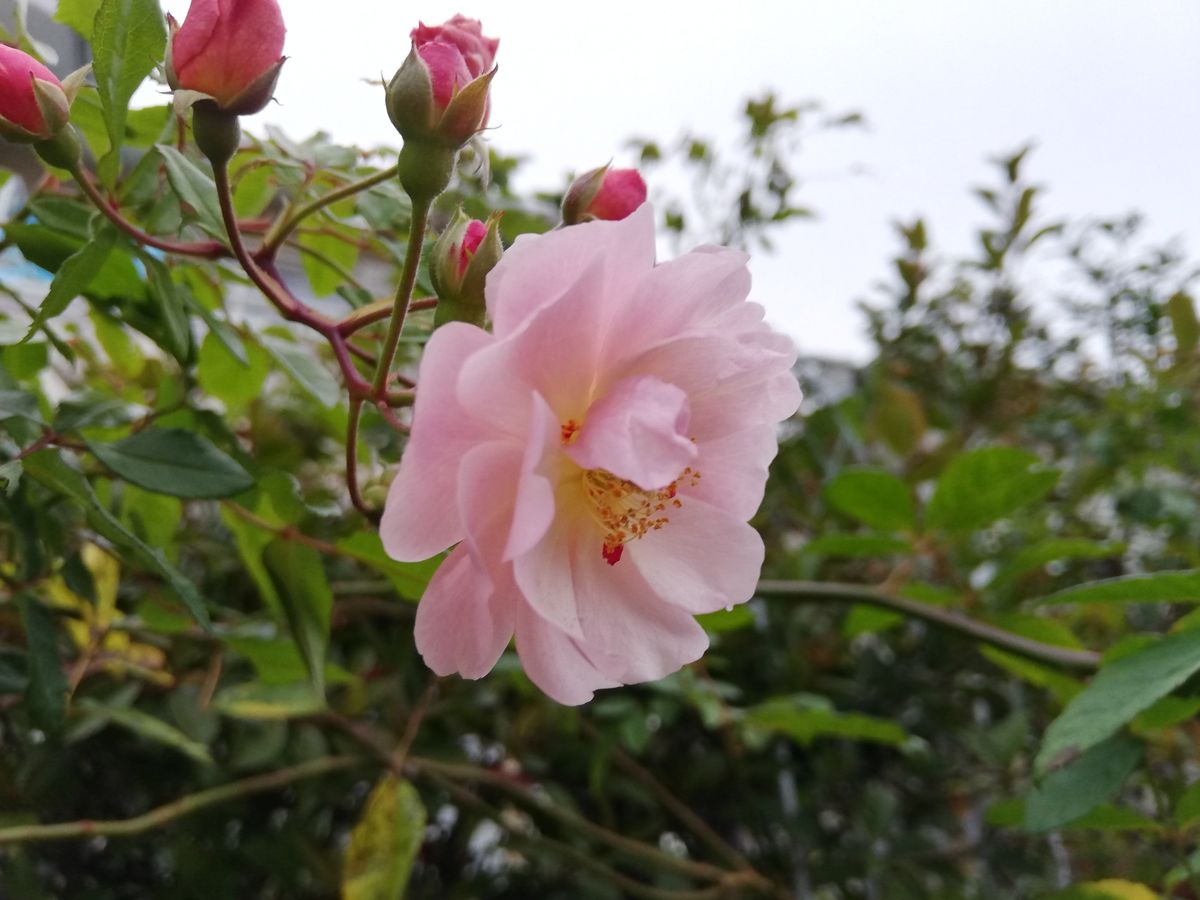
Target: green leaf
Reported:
[(306, 368), (874, 497), (175, 462), (384, 843), (78, 14), (1069, 792), (1186, 328), (1044, 552), (149, 727), (1166, 712), (1118, 693), (21, 405), (409, 579), (299, 578), (863, 619), (269, 702), (1159, 587), (175, 335), (276, 661), (1187, 806), (46, 692), (857, 545), (1107, 889), (128, 40), (804, 723), (250, 541), (74, 276), (987, 484), (899, 418), (48, 468), (1108, 817), (195, 188), (328, 257), (726, 619), (221, 374), (10, 477)]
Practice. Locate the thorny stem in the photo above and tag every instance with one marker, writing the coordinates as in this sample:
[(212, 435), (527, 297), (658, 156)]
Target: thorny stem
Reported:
[(287, 223), (1062, 657), (176, 809), (200, 249), (412, 260)]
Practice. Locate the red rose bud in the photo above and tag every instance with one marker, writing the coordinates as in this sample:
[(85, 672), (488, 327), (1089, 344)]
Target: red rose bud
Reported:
[(462, 256), (440, 94), (603, 193), (34, 105), (228, 51)]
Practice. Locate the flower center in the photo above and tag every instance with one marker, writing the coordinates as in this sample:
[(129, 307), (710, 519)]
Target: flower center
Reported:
[(626, 512)]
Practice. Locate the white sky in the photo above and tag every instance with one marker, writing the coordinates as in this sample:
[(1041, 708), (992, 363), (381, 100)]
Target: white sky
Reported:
[(1109, 89)]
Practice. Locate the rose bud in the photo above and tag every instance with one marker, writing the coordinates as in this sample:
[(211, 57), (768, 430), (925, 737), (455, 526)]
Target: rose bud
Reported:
[(228, 51), (438, 100), (462, 256), (33, 103), (603, 193)]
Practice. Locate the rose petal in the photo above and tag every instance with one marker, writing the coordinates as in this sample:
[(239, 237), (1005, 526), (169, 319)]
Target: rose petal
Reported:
[(638, 431), (554, 662), (420, 517), (462, 624)]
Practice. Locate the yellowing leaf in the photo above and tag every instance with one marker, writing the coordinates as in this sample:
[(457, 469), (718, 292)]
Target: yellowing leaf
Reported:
[(384, 842)]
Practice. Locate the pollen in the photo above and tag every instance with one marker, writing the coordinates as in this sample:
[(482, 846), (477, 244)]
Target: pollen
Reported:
[(626, 512)]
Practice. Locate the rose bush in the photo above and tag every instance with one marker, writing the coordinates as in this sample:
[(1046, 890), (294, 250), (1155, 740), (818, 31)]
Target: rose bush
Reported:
[(597, 456)]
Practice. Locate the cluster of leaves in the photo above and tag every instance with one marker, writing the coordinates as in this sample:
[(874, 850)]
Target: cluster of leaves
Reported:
[(207, 672)]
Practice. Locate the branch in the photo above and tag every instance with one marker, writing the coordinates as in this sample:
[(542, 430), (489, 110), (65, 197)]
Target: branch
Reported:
[(200, 249), (1062, 657), (177, 809), (412, 261), (280, 230)]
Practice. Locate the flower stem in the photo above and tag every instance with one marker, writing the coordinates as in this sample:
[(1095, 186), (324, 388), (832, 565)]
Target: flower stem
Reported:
[(412, 260), (200, 249), (176, 809), (1062, 657), (288, 222)]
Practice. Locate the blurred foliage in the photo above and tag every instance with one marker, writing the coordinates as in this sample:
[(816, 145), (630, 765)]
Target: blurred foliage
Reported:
[(191, 612)]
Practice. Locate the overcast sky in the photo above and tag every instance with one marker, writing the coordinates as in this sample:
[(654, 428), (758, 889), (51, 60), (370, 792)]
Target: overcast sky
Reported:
[(1109, 89)]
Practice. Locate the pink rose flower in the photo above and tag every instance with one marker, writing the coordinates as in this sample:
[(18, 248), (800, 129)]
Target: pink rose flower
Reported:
[(595, 460), (231, 50), (466, 35), (22, 117), (472, 237)]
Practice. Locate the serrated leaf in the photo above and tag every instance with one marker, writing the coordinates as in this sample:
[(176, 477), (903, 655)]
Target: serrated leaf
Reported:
[(298, 575), (1070, 792), (384, 843), (48, 468), (1159, 587), (1119, 692), (46, 690), (175, 462), (20, 404), (78, 14), (306, 368), (987, 484), (73, 277), (195, 188), (874, 497), (149, 727), (128, 41)]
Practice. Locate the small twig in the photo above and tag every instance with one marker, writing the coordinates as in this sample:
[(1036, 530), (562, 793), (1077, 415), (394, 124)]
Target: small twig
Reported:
[(1063, 657), (176, 809), (412, 260), (287, 223)]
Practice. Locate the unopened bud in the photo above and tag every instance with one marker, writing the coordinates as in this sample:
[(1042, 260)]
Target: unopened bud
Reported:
[(603, 193), (462, 256)]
